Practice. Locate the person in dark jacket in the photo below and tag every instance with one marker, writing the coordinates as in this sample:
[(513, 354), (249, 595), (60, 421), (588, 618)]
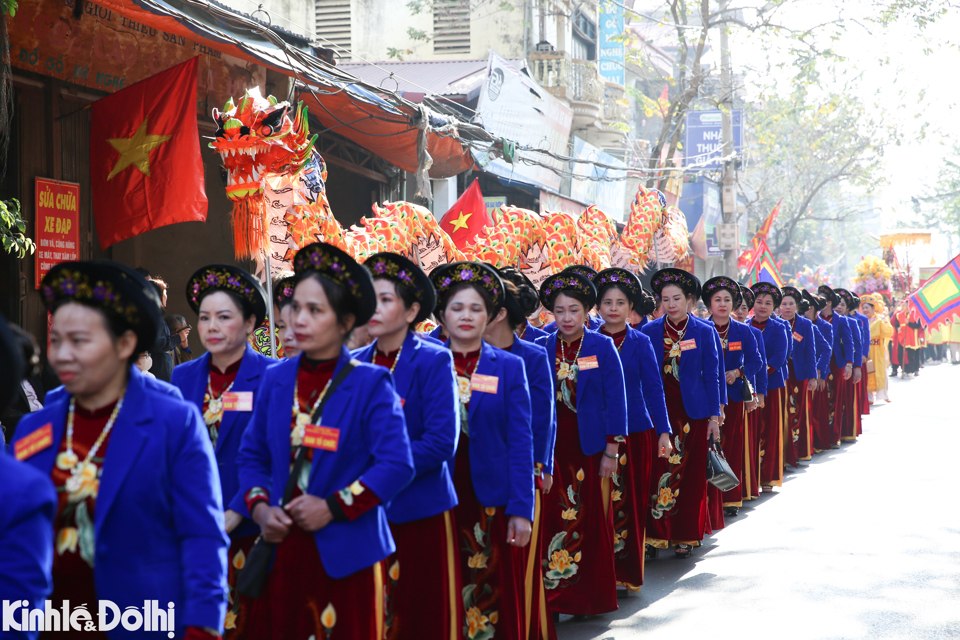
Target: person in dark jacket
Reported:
[(161, 351)]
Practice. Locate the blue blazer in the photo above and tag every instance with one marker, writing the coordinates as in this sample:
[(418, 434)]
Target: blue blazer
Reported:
[(823, 350), (788, 334), (373, 447), (26, 536), (856, 332), (775, 346), (864, 332), (699, 367), (864, 323), (721, 369), (823, 359), (427, 388), (804, 349), (501, 439), (191, 379), (543, 409), (593, 324), (435, 334), (158, 524), (646, 403), (601, 394), (746, 358), (842, 341), (760, 380), (532, 333), (154, 384)]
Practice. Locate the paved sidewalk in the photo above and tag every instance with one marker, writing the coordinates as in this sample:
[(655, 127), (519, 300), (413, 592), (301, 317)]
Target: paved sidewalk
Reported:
[(862, 542)]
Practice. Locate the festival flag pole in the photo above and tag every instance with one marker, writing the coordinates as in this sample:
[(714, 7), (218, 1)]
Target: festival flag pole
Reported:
[(273, 331)]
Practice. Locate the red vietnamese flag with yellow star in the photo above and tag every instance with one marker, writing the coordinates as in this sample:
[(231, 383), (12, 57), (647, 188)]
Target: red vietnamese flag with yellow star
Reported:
[(145, 166), (467, 217)]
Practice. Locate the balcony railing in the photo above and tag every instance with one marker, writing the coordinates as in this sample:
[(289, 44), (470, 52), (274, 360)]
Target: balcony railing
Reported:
[(566, 78)]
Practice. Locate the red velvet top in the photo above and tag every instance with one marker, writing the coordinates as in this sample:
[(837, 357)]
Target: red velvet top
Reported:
[(566, 354), (465, 365), (386, 359), (350, 502), (220, 381), (618, 337), (73, 525)]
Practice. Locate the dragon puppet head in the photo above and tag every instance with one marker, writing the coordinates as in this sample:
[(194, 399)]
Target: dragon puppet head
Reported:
[(256, 138)]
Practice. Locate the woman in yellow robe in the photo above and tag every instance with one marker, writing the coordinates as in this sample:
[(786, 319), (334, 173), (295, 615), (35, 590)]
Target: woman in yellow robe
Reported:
[(881, 331)]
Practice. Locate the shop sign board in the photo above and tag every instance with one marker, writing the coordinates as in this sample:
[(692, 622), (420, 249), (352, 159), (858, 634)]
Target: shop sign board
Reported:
[(57, 224)]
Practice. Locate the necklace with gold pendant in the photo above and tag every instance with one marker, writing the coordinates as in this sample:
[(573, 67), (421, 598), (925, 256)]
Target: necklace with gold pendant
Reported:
[(69, 461), (213, 414), (303, 419)]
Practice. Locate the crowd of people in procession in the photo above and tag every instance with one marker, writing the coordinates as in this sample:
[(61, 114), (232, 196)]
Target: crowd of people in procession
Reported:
[(452, 455)]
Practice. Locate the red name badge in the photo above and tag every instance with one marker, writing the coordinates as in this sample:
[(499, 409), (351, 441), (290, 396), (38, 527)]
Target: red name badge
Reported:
[(686, 345), (797, 336), (34, 442), (317, 437), (238, 401), (588, 362), (734, 346), (484, 384)]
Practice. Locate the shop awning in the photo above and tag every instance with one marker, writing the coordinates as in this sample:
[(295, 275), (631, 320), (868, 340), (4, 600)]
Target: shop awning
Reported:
[(379, 120)]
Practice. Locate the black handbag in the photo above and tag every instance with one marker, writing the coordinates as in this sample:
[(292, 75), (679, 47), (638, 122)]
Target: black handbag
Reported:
[(719, 472), (252, 578), (747, 391)]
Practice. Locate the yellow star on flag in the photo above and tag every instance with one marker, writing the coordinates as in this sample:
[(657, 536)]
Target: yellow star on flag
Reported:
[(136, 150), (461, 222)]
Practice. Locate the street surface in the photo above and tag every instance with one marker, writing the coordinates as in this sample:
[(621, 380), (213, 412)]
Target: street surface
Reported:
[(862, 542)]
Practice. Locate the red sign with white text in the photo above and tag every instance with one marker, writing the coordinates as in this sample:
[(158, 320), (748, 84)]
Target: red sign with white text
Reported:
[(57, 224)]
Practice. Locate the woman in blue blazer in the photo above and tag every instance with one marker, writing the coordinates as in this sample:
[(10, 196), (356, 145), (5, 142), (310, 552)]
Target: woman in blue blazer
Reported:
[(805, 447), (801, 378), (852, 426), (819, 420), (27, 510), (333, 534), (691, 381), (591, 405), (494, 463), (423, 571), (750, 487), (230, 304), (766, 300), (741, 360), (502, 333), (648, 427), (139, 513), (840, 380)]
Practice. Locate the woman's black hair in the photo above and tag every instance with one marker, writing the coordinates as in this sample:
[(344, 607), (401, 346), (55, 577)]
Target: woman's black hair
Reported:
[(623, 289), (246, 309), (526, 294), (517, 317), (581, 297), (30, 348), (116, 326), (405, 294), (343, 305), (460, 286)]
